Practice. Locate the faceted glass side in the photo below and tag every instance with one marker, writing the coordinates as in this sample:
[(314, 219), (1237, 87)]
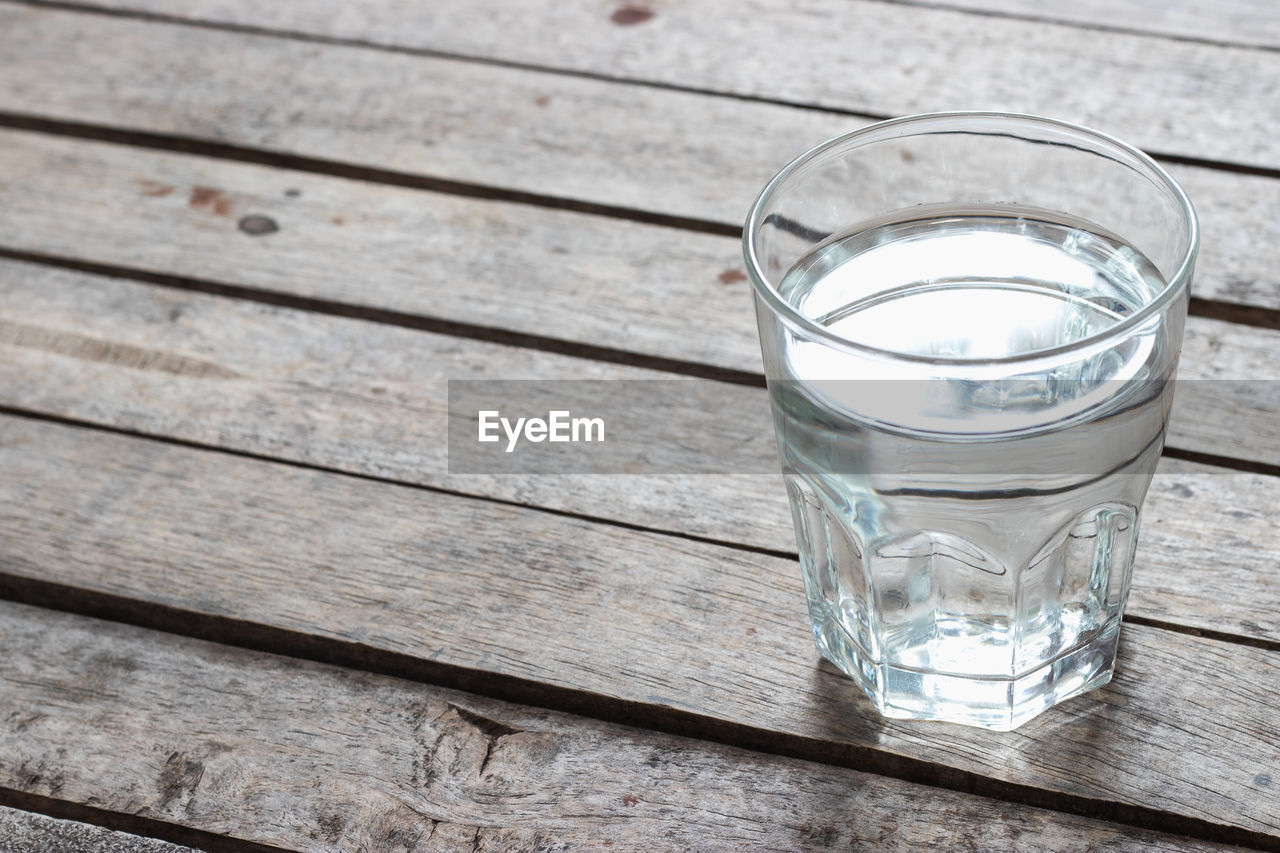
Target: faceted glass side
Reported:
[(933, 626)]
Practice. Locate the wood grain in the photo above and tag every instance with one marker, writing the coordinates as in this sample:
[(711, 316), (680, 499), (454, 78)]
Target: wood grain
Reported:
[(557, 136), (863, 56), (625, 623), (581, 278), (554, 273), (311, 757), (504, 595), (1237, 22), (24, 832), (1232, 22), (371, 399)]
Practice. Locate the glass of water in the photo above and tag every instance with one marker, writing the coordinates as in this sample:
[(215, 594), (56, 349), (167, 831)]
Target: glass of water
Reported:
[(970, 324)]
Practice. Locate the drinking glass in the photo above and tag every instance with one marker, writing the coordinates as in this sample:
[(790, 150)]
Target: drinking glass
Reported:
[(970, 324)]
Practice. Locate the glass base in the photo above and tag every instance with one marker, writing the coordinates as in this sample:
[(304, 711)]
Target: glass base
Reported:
[(997, 703)]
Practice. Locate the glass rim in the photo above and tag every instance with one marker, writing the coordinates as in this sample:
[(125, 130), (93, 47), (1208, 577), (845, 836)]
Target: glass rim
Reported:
[(799, 322)]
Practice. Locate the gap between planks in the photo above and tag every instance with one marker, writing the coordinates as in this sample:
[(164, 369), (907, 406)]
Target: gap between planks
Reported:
[(137, 825), (31, 415), (541, 115), (1246, 315), (552, 778), (515, 65), (472, 331), (1100, 25), (403, 319), (285, 33), (27, 414), (120, 340), (1247, 465), (333, 168), (479, 329), (576, 675), (509, 688), (192, 145)]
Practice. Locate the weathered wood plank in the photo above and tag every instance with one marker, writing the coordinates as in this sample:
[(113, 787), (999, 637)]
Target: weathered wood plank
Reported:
[(24, 832), (859, 55), (1208, 537), (551, 134), (314, 757), (372, 399), (711, 636), (582, 278), (1238, 22), (514, 267)]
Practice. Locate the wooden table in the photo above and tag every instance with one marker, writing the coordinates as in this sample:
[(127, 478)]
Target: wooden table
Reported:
[(245, 604)]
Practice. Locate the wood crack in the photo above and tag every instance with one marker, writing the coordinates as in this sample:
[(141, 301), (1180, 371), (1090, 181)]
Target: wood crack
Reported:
[(493, 731)]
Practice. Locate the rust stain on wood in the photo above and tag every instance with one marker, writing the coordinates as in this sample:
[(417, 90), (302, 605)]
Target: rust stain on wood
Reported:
[(732, 276), (210, 198), (542, 100), (86, 348), (630, 15), (154, 189)]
